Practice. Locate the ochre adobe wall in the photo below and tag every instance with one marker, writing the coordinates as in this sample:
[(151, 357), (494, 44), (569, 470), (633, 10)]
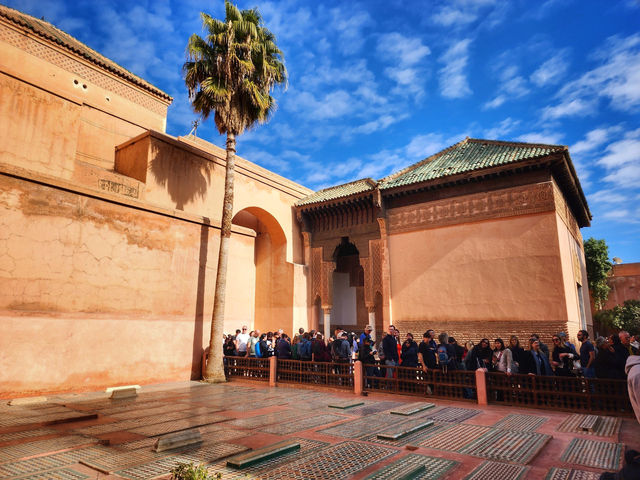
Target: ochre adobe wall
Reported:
[(95, 293)]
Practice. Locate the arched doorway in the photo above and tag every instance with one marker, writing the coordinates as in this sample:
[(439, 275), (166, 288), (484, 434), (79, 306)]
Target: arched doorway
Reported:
[(348, 310), (261, 285)]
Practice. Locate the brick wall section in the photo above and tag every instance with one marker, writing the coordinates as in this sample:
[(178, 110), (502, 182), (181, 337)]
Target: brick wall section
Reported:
[(465, 331)]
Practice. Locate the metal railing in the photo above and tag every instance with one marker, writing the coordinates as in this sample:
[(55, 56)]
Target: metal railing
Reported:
[(577, 394), (458, 384), (247, 367), (337, 375)]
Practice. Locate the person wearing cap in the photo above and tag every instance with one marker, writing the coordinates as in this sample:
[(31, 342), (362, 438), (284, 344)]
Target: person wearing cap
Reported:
[(363, 335)]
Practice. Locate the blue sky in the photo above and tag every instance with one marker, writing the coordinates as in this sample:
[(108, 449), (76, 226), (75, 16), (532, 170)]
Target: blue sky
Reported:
[(378, 85)]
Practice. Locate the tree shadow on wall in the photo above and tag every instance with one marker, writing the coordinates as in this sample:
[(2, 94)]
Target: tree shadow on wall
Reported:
[(185, 176)]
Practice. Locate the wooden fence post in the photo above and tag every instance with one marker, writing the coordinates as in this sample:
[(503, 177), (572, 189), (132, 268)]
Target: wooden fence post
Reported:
[(273, 370), (357, 378), (481, 386)]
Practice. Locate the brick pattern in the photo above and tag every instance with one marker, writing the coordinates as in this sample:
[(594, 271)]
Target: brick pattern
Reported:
[(84, 71), (473, 331)]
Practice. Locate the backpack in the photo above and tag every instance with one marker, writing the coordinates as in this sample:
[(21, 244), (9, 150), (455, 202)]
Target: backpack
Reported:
[(305, 350), (258, 353), (443, 355)]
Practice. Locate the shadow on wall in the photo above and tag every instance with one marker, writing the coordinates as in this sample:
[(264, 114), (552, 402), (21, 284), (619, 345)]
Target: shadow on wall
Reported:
[(198, 323), (186, 178)]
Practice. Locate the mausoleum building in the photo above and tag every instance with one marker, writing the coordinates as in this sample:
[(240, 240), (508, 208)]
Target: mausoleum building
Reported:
[(109, 231)]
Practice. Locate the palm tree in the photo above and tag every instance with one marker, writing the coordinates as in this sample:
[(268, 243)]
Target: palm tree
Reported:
[(231, 72)]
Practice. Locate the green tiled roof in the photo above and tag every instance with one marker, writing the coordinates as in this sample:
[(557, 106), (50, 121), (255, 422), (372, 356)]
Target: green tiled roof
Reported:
[(339, 191), (46, 30), (466, 156)]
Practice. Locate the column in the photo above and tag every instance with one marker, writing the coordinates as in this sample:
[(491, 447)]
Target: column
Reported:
[(327, 322)]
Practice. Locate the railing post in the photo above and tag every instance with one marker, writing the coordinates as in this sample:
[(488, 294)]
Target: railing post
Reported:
[(357, 378), (273, 370), (481, 386)]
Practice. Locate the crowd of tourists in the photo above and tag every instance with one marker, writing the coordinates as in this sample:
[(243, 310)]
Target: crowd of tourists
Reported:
[(604, 359)]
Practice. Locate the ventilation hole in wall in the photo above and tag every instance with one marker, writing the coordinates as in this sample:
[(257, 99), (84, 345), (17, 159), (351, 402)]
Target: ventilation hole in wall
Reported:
[(76, 82), (84, 85), (108, 99)]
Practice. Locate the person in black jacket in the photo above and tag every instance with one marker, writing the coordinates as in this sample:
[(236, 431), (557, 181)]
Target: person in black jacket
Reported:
[(390, 350), (284, 347), (409, 352), (536, 361), (479, 356), (517, 352)]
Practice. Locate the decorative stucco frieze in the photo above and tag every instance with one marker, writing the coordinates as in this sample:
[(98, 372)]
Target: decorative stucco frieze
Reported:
[(480, 206)]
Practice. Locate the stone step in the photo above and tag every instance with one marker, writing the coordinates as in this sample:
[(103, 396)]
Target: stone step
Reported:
[(590, 423), (412, 408), (403, 430), (175, 440), (261, 454), (346, 404)]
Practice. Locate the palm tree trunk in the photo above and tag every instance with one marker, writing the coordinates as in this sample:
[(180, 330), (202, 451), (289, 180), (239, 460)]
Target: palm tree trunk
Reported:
[(214, 372)]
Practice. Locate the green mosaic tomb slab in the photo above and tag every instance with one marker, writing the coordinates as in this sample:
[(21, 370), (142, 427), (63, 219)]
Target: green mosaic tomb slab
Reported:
[(343, 405), (259, 455), (176, 425), (592, 453), (38, 432), (507, 446), (49, 462), (452, 414), (606, 427), (162, 466), (405, 428), (336, 461), (361, 426), (303, 423), (571, 474), (268, 419), (522, 423), (496, 470), (454, 437), (411, 439), (307, 447), (412, 408), (52, 445), (60, 474), (375, 407), (432, 468)]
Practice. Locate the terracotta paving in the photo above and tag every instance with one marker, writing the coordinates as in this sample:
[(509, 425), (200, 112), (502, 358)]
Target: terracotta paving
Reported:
[(80, 436)]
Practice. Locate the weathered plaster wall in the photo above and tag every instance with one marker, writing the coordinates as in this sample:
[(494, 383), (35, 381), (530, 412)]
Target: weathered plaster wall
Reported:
[(94, 293), (503, 270)]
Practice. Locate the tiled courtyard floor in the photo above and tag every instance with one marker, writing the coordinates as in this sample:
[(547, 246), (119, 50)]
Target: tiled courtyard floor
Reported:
[(88, 436)]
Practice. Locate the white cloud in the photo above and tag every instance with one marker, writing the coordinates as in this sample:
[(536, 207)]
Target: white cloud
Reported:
[(547, 138), (552, 70), (623, 152), (379, 123), (331, 105), (569, 108), (349, 26), (617, 79), (453, 79), (594, 139), (407, 50), (607, 196), (448, 15), (422, 146), (502, 129), (495, 103), (511, 85)]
